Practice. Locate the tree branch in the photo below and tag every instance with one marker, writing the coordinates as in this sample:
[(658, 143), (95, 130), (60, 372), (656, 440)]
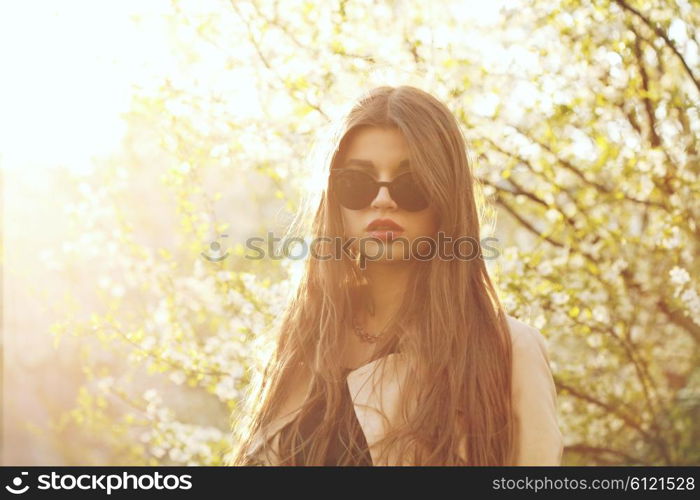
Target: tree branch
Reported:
[(631, 422), (585, 449), (660, 33)]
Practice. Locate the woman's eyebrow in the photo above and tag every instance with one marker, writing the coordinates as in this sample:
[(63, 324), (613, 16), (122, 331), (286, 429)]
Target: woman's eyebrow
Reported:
[(369, 165)]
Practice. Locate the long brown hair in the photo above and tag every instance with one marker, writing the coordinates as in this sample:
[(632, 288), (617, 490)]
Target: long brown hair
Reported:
[(451, 324)]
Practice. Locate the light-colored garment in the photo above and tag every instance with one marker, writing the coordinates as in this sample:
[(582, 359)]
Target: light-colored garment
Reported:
[(376, 392)]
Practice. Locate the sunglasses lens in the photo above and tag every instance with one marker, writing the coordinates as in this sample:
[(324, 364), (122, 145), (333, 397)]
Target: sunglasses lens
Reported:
[(355, 190), (408, 194)]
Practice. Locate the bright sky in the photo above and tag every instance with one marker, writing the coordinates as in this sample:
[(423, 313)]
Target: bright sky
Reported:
[(67, 70)]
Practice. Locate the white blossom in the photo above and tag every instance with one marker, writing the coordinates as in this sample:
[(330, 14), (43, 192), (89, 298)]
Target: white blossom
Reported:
[(560, 298), (692, 301), (600, 313), (178, 376), (226, 389), (674, 240), (105, 384), (545, 268), (151, 395), (509, 303), (679, 276)]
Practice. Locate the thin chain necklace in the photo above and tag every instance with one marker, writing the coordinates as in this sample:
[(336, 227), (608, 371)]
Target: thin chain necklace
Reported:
[(363, 334)]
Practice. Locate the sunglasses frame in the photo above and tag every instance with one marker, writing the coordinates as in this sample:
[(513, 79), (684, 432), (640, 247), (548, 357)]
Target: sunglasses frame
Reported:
[(378, 185)]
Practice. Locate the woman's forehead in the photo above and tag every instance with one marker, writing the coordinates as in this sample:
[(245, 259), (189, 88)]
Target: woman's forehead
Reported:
[(377, 149), (377, 138)]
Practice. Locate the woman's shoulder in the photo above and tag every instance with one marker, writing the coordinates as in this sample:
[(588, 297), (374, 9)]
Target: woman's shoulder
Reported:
[(530, 354), (524, 336), (540, 440)]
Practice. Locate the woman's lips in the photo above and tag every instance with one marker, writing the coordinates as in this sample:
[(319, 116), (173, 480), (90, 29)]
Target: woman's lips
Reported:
[(386, 234)]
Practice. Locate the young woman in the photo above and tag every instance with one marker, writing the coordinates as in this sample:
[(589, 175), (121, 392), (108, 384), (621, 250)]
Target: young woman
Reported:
[(398, 351)]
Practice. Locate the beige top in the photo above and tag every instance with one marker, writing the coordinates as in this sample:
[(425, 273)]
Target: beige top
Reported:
[(376, 393)]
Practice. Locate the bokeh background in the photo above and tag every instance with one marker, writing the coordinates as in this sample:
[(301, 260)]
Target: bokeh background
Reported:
[(134, 135)]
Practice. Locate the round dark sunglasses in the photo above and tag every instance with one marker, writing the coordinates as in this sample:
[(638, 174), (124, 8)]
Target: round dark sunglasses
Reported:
[(356, 190)]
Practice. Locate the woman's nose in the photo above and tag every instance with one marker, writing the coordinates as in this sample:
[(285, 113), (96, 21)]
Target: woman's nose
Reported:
[(383, 199)]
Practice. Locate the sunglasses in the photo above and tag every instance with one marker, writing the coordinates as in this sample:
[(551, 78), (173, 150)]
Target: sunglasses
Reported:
[(356, 190)]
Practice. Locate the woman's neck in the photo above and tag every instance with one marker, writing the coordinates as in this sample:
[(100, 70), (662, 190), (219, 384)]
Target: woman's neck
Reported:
[(374, 305), (386, 284)]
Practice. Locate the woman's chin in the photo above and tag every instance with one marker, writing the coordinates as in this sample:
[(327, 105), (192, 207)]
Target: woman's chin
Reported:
[(386, 252)]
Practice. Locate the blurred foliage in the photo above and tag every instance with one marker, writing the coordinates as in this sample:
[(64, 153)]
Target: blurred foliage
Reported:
[(584, 119)]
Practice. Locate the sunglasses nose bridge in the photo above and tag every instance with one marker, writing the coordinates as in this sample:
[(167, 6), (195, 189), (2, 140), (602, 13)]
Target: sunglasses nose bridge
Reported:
[(383, 195)]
